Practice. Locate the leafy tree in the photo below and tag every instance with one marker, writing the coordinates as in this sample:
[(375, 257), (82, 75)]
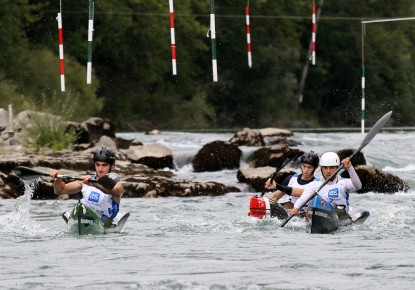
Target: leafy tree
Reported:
[(133, 84), (336, 79), (30, 69)]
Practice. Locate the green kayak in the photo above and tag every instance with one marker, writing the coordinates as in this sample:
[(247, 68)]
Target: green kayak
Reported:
[(83, 220)]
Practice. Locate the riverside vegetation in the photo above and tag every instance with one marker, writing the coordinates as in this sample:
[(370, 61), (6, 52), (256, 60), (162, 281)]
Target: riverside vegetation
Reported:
[(135, 87)]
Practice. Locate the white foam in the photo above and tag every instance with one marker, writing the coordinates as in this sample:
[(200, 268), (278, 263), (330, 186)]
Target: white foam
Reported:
[(399, 169)]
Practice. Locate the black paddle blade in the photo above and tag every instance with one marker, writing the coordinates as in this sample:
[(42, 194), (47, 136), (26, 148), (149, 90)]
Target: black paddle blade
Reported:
[(278, 169), (27, 173), (109, 180), (283, 164)]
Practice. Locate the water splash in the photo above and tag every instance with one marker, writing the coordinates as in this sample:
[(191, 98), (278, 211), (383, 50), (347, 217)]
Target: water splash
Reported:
[(399, 169), (18, 222)]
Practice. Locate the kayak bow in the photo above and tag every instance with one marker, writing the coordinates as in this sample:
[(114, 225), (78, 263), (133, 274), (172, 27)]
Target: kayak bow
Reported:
[(83, 220), (323, 218)]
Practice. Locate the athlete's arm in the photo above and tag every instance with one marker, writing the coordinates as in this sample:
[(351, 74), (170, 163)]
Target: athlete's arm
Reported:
[(60, 187), (307, 193), (357, 184)]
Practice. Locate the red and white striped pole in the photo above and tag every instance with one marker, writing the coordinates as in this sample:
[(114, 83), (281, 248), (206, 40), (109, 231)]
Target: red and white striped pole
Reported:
[(313, 36), (173, 38), (61, 59), (248, 35)]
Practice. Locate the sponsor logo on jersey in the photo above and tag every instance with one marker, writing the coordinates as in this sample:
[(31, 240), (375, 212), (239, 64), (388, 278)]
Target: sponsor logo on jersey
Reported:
[(333, 193), (94, 197)]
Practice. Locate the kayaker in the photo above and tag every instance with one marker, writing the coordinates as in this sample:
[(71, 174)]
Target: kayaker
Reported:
[(104, 197), (337, 190), (294, 184)]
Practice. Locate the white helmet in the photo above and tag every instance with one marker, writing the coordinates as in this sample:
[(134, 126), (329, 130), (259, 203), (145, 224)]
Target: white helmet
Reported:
[(329, 159)]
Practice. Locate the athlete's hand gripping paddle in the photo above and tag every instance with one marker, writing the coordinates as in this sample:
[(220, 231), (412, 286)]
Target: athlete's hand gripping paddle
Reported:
[(369, 136), (108, 181), (278, 169)]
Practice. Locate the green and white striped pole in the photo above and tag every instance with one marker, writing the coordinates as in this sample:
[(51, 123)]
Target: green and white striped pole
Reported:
[(363, 78), (363, 99), (213, 38), (313, 34), (363, 57), (90, 31)]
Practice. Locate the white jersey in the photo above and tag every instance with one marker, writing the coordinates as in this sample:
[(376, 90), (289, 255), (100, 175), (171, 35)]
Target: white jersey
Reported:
[(297, 182), (336, 192), (103, 204)]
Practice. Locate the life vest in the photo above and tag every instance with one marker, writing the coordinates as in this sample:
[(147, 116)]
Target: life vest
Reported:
[(337, 192), (294, 183), (103, 204)]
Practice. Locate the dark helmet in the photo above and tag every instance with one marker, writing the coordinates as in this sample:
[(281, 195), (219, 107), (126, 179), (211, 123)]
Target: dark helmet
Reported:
[(105, 155), (310, 158)]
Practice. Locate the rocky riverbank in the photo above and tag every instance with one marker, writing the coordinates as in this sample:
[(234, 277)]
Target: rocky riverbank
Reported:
[(141, 165), (139, 180)]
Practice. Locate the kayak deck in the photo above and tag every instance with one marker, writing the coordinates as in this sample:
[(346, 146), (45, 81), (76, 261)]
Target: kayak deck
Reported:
[(83, 220), (322, 218)]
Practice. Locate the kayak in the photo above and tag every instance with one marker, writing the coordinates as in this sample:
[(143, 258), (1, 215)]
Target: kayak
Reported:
[(83, 220), (322, 217)]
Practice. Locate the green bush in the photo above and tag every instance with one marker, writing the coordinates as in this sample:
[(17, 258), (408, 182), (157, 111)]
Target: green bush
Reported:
[(48, 131)]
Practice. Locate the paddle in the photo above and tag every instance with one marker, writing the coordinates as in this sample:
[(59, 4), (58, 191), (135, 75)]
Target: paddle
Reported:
[(278, 169), (369, 136), (27, 173), (108, 181)]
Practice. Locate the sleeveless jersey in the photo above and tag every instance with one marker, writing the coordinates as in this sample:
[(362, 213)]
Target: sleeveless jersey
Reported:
[(297, 182), (103, 204)]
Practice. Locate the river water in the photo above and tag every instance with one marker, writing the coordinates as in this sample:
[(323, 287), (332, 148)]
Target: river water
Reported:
[(209, 242)]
